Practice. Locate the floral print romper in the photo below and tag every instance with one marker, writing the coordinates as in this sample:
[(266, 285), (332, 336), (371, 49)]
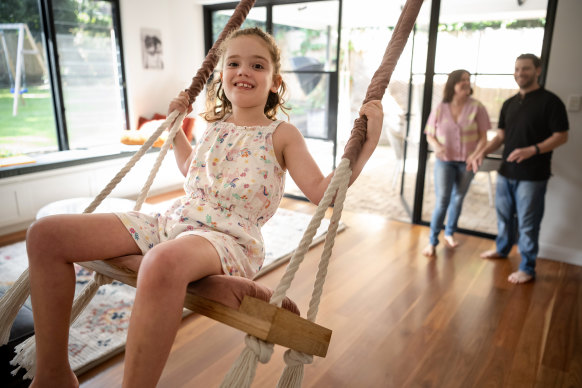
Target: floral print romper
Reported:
[(234, 185)]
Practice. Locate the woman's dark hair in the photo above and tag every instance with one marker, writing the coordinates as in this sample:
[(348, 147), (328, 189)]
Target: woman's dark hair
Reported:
[(453, 79)]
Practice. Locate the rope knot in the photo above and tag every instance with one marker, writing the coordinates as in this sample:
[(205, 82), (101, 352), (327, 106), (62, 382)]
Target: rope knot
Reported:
[(295, 358), (101, 279), (262, 349)]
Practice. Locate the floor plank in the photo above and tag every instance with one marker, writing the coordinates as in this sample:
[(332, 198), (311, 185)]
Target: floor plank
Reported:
[(402, 320)]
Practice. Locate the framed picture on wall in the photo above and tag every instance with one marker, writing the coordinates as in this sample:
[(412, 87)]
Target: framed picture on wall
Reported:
[(151, 48)]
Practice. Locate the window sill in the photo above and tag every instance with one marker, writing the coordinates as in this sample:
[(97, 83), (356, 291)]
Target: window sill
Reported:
[(62, 159)]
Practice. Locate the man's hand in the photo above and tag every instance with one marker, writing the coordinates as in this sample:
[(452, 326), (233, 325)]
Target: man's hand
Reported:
[(518, 155), (473, 162)]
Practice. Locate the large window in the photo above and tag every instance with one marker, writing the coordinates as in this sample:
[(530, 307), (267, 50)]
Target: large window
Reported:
[(61, 76)]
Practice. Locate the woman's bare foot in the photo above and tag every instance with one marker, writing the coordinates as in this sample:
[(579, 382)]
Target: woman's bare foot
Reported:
[(492, 254), (429, 251), (519, 277), (451, 242)]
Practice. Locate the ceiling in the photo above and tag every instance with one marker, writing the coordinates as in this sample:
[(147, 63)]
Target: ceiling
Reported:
[(377, 13)]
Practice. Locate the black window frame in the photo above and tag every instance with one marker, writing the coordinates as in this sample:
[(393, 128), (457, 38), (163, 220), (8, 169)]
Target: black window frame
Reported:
[(49, 41), (333, 89)]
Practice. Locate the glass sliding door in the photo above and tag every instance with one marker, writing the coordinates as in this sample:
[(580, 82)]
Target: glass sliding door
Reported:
[(414, 115), (484, 41)]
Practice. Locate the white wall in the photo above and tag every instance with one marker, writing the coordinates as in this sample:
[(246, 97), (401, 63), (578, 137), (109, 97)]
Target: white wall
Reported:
[(22, 196), (182, 31), (561, 234)]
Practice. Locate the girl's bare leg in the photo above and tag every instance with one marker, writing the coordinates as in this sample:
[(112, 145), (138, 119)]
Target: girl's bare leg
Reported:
[(53, 244), (163, 277)]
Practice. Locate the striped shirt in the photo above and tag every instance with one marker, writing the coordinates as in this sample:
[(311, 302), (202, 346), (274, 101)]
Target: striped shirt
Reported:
[(460, 137)]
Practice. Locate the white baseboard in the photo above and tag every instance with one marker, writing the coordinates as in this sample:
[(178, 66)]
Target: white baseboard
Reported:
[(560, 253)]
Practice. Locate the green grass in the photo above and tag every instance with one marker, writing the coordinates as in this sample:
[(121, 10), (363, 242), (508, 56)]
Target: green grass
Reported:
[(33, 128)]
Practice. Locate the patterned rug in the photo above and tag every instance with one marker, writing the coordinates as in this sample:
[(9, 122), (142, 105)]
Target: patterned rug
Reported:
[(100, 332)]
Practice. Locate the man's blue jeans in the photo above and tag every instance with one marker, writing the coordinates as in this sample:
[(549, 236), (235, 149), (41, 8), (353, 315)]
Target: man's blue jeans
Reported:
[(520, 208), (451, 181)]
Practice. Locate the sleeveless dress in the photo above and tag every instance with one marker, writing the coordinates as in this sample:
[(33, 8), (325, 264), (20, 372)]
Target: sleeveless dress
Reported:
[(234, 185)]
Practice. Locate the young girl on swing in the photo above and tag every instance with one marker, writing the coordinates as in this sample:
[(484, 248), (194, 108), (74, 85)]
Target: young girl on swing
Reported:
[(234, 183)]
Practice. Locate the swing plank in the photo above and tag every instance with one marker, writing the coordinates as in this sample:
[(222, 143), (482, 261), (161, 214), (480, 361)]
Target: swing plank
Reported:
[(254, 316)]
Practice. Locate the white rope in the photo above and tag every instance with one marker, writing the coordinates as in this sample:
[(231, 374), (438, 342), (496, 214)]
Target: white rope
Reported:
[(242, 372), (87, 293), (129, 165), (11, 303), (163, 151), (25, 358), (342, 173), (26, 351), (292, 375)]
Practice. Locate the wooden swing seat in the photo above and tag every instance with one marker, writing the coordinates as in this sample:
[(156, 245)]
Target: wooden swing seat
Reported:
[(253, 315)]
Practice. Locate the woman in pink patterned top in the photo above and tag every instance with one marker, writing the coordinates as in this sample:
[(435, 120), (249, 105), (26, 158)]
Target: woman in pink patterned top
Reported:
[(456, 129), (234, 182)]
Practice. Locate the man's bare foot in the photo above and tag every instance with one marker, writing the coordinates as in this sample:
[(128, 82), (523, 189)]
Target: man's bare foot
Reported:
[(519, 277), (492, 254), (429, 251), (451, 242)]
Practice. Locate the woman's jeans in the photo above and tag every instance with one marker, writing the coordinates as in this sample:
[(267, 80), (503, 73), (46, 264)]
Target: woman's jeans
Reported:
[(520, 208), (451, 181)]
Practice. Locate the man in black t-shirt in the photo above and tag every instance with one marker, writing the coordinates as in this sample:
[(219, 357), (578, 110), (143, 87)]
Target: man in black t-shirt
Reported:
[(531, 125)]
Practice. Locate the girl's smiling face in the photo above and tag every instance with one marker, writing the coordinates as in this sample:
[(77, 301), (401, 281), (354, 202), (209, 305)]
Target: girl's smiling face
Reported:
[(247, 72)]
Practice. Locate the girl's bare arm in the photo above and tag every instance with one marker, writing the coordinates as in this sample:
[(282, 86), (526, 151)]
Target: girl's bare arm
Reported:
[(182, 147), (294, 156)]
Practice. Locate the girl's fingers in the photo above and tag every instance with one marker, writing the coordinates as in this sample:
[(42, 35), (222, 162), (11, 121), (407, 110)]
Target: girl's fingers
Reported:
[(180, 103)]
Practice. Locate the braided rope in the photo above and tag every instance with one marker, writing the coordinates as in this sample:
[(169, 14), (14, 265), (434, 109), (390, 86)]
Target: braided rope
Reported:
[(10, 304), (381, 78), (341, 172), (293, 373), (163, 151), (375, 91), (344, 178)]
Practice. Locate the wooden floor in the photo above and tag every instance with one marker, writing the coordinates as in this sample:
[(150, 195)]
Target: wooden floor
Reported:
[(402, 320)]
